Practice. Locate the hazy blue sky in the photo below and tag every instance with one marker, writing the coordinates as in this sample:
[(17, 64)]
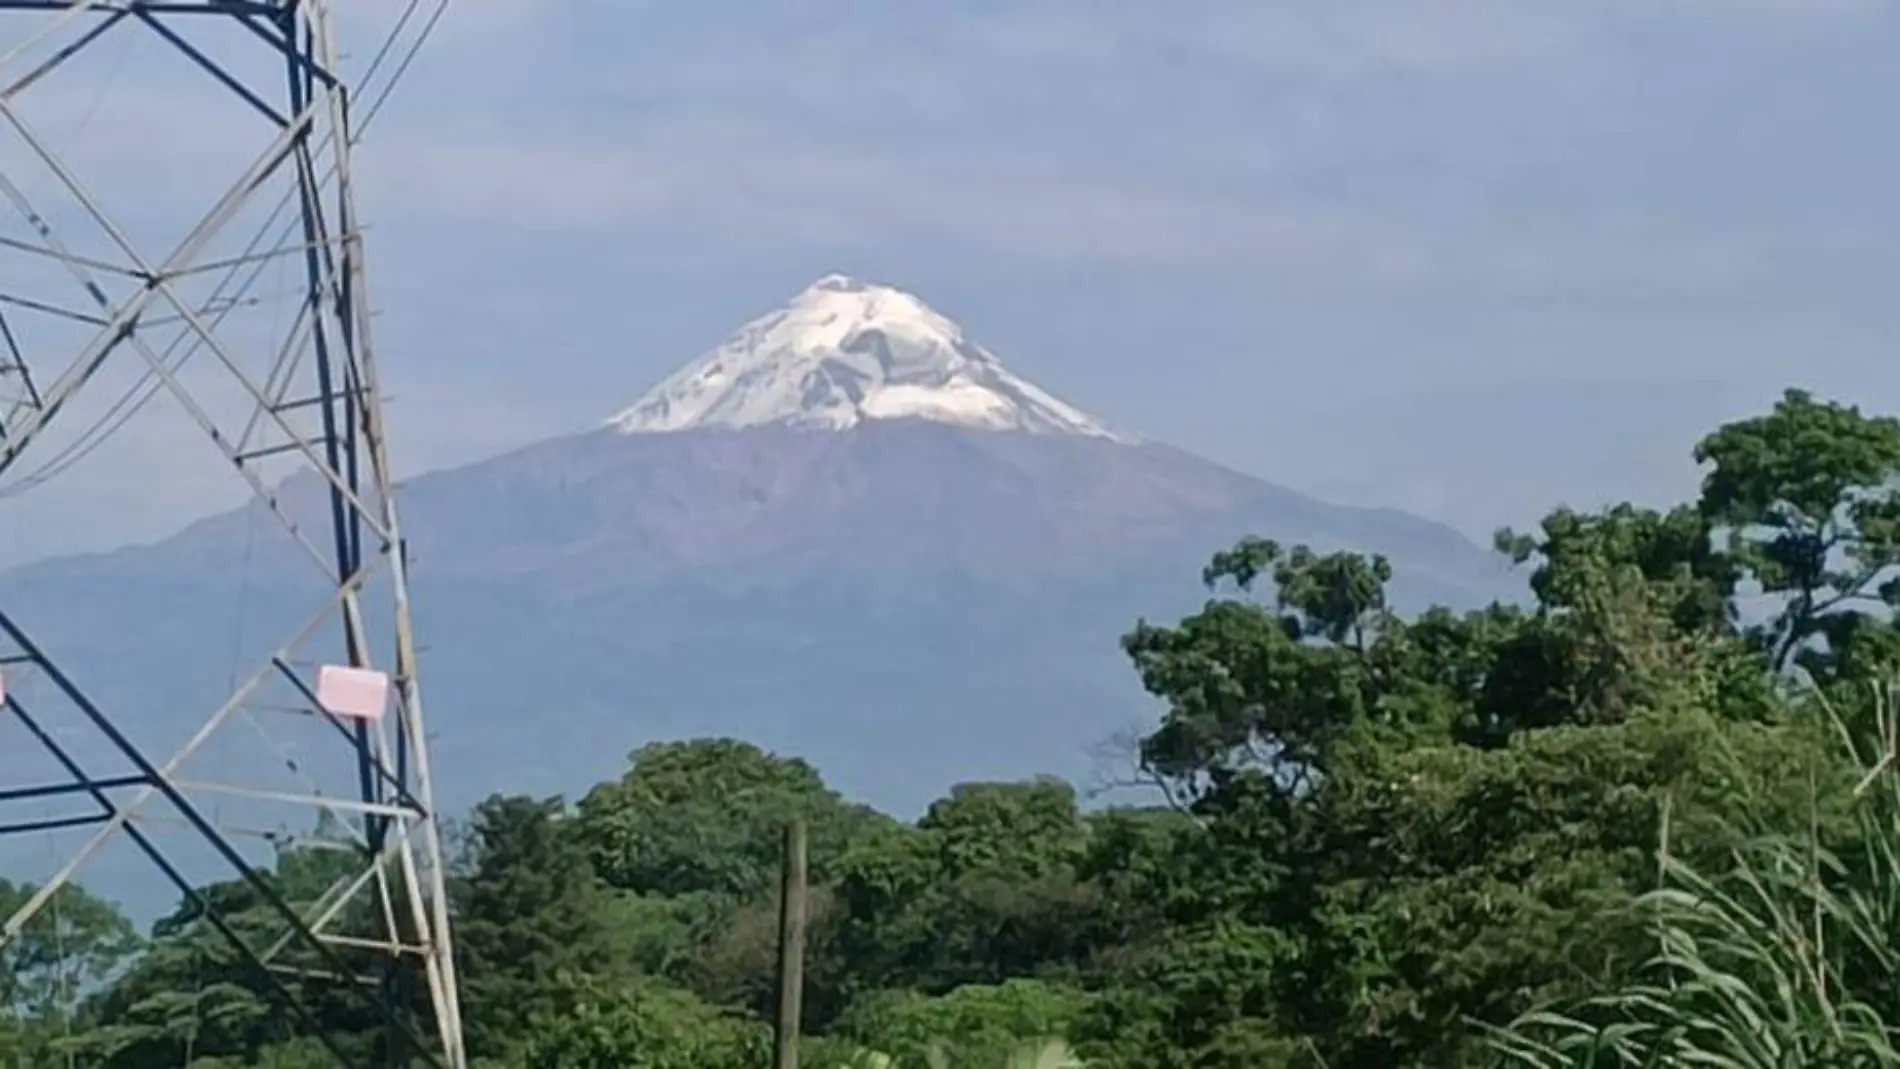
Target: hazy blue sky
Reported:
[(1466, 257)]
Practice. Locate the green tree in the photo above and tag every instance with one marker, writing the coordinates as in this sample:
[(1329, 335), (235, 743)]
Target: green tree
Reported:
[(1248, 688), (705, 816), (1781, 953), (1339, 597), (1029, 830), (983, 889), (587, 1025), (690, 837), (528, 907), (1674, 551), (1806, 497), (1364, 877), (193, 997), (1626, 596), (297, 1054), (71, 945), (978, 1025)]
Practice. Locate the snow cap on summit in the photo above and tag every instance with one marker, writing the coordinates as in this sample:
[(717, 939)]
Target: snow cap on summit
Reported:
[(844, 352)]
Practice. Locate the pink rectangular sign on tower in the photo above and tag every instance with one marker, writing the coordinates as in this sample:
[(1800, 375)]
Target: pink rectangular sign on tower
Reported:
[(355, 693)]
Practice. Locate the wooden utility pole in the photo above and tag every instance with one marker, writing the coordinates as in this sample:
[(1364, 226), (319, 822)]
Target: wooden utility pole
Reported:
[(791, 948)]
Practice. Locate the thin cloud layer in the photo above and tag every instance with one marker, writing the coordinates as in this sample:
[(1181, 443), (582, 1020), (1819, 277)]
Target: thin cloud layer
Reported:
[(1366, 141), (1062, 130)]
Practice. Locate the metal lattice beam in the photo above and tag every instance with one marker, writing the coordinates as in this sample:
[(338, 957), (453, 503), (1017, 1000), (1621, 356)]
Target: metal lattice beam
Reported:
[(310, 399)]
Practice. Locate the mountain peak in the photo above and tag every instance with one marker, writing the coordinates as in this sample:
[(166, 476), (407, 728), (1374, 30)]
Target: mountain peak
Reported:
[(845, 352), (835, 283)]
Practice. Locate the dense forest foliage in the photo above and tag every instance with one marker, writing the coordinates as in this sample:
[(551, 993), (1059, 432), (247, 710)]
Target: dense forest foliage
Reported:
[(1643, 819)]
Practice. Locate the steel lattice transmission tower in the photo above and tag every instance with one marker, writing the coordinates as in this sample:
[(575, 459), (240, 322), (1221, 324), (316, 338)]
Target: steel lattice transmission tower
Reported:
[(99, 303)]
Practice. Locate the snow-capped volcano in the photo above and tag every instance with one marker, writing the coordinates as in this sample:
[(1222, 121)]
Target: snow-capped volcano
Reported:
[(844, 352), (839, 568)]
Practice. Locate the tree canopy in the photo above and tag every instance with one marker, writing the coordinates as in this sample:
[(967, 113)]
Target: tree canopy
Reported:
[(1524, 834)]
